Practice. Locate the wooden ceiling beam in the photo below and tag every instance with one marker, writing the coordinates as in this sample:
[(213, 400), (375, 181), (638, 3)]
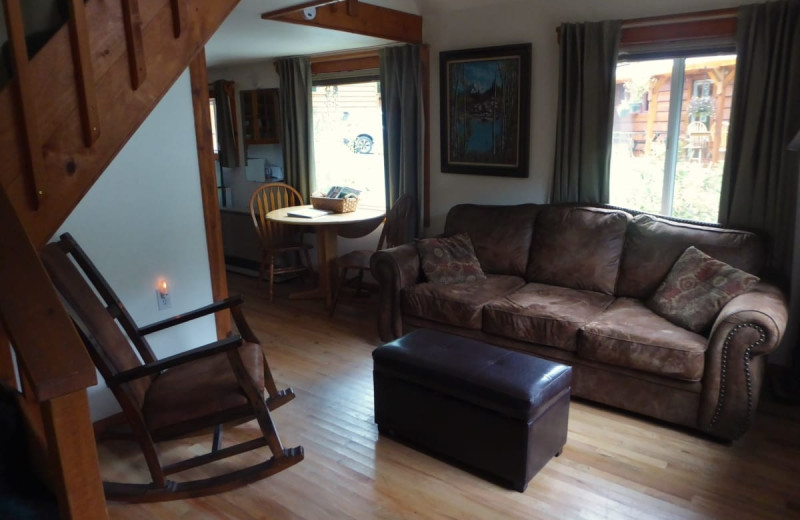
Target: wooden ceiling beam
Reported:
[(358, 18), (313, 4)]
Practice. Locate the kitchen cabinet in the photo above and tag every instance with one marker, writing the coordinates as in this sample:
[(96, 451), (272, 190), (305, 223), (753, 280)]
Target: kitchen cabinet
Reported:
[(260, 116)]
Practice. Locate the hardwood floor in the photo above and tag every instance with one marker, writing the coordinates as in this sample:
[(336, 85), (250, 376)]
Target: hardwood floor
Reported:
[(614, 466)]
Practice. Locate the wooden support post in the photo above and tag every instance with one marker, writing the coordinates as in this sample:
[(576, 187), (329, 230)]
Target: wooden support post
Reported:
[(84, 75), (208, 186), (32, 141), (48, 348), (55, 370), (133, 36), (73, 458)]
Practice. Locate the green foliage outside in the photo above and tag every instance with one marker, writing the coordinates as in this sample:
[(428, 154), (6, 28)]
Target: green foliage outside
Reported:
[(637, 183)]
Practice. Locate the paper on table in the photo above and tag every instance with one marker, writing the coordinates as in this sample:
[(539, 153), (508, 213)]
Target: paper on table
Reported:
[(308, 212)]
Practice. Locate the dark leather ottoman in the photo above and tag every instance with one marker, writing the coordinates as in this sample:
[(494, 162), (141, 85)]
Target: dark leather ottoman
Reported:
[(500, 412)]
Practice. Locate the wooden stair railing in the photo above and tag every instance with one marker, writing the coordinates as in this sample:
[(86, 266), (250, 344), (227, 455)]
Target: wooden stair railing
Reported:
[(66, 113), (69, 166)]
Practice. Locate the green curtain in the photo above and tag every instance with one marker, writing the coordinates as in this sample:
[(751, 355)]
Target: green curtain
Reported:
[(759, 182), (588, 61), (403, 125), (760, 179), (228, 150), (297, 123)]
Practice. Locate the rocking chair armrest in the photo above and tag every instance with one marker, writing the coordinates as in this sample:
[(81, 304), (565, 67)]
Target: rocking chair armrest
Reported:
[(191, 315), (149, 369)]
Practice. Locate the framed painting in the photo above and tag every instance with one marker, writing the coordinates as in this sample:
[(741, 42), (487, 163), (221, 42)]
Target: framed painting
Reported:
[(485, 110)]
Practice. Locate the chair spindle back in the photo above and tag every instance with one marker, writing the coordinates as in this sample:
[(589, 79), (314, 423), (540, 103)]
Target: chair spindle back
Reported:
[(270, 197), (102, 326)]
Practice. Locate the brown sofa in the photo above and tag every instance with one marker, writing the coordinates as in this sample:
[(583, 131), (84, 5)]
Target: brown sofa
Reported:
[(568, 283)]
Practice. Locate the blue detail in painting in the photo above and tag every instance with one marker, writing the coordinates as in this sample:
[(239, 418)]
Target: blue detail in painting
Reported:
[(483, 111)]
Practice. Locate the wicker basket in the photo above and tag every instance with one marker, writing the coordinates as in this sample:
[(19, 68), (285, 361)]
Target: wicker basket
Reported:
[(336, 205)]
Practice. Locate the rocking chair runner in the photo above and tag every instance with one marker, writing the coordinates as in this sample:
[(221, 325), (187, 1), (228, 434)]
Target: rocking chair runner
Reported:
[(181, 395)]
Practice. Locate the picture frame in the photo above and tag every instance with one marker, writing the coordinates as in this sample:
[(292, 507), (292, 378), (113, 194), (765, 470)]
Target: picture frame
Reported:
[(485, 97)]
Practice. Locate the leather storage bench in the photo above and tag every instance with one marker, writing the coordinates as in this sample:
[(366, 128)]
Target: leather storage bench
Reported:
[(500, 412)]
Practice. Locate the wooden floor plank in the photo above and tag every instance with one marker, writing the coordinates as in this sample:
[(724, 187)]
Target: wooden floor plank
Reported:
[(615, 465)]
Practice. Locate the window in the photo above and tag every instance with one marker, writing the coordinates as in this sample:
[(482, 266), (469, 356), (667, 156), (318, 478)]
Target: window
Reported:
[(217, 101), (212, 105), (669, 157), (348, 138)]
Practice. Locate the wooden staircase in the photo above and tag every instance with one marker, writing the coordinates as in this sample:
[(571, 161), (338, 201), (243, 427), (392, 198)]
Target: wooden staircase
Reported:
[(65, 115)]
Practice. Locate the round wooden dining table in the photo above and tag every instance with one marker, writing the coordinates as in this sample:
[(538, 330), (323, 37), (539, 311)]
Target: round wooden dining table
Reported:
[(328, 227)]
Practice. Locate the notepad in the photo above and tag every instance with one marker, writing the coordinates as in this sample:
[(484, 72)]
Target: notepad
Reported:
[(308, 213)]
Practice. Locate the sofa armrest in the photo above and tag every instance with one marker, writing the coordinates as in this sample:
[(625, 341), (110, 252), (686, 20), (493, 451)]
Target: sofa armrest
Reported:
[(394, 269), (747, 328)]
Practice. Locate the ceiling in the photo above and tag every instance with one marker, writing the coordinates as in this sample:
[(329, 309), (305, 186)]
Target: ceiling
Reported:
[(245, 38)]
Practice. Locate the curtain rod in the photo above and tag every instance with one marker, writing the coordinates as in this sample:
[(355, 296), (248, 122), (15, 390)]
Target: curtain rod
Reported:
[(654, 21), (683, 17), (343, 54)]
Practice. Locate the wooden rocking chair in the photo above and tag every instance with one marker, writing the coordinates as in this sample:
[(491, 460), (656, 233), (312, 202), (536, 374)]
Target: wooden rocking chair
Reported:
[(177, 396)]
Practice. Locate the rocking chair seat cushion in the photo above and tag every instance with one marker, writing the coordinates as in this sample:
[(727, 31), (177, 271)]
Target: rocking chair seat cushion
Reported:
[(193, 396)]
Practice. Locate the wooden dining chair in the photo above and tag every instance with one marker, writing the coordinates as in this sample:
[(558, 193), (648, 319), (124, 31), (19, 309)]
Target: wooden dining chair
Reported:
[(176, 396), (394, 233), (278, 240)]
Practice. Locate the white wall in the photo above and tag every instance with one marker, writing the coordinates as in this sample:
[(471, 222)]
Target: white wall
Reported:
[(143, 220), (514, 22)]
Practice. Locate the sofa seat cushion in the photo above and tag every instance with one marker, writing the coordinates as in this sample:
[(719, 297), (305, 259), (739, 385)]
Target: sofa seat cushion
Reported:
[(458, 304), (544, 314), (630, 335)]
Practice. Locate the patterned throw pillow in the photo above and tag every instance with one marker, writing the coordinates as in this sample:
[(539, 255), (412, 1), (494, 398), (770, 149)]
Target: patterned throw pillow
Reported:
[(696, 289), (449, 260)]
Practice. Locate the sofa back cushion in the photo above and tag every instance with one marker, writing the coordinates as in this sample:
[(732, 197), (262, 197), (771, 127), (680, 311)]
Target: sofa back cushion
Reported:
[(501, 235), (653, 245), (578, 247)]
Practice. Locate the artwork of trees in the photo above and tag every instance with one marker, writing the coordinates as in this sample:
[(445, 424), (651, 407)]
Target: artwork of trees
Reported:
[(485, 110)]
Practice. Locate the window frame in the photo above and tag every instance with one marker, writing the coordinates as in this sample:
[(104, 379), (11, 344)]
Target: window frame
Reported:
[(212, 107), (230, 93), (334, 80), (677, 37), (346, 68)]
